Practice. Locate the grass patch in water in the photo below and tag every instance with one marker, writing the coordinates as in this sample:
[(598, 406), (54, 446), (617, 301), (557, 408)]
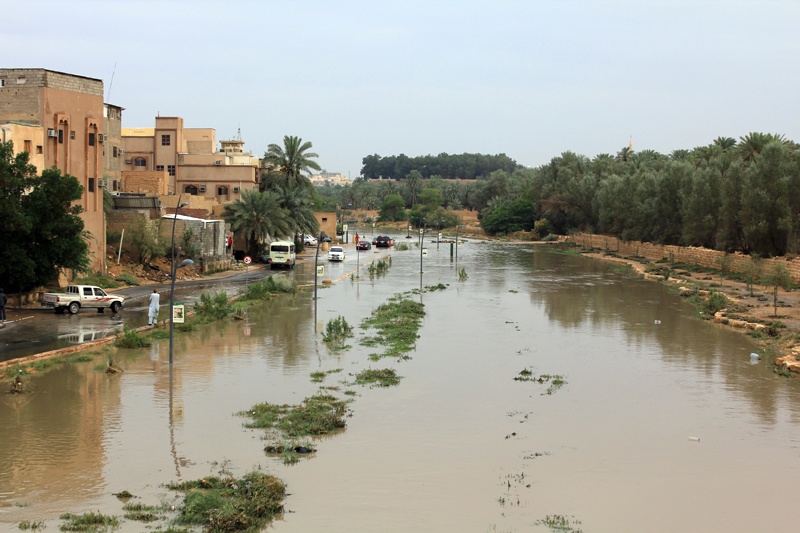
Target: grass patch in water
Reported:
[(141, 512), (337, 330), (318, 377), (229, 504), (158, 334), (132, 339), (383, 378), (27, 525), (265, 288), (90, 521), (560, 523), (397, 323), (555, 381), (317, 415)]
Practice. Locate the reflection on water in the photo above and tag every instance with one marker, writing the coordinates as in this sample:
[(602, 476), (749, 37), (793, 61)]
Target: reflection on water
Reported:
[(459, 442)]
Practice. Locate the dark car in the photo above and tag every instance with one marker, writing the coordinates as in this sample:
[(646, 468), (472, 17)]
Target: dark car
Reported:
[(383, 241), (363, 245)]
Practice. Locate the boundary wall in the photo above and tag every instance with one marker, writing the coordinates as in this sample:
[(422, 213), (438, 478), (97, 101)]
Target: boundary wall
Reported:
[(694, 255)]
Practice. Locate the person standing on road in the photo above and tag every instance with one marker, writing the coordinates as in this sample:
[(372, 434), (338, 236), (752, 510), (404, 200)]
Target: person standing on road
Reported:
[(152, 315), (3, 300)]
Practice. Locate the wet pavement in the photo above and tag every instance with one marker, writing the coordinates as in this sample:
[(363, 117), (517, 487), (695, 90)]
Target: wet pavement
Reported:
[(663, 423)]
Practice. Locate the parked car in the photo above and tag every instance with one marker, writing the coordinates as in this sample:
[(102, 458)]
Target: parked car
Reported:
[(309, 240), (363, 245), (336, 253), (383, 241)]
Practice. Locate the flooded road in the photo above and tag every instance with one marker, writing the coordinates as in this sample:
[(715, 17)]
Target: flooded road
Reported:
[(663, 423)]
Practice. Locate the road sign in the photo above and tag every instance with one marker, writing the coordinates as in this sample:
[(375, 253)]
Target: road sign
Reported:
[(320, 270), (344, 227), (178, 312), (247, 260)]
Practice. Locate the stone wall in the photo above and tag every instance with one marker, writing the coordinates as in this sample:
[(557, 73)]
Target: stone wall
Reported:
[(680, 254), (208, 237), (150, 182)]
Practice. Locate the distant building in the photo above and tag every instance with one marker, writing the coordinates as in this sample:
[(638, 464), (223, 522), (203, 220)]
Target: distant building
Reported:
[(329, 178), (59, 119), (171, 159)]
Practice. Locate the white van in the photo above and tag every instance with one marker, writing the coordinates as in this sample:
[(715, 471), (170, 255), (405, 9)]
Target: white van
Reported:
[(281, 254)]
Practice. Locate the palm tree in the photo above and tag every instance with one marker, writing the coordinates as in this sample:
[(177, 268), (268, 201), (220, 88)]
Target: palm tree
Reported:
[(414, 185), (258, 216), (287, 165), (753, 143), (299, 206), (726, 143)]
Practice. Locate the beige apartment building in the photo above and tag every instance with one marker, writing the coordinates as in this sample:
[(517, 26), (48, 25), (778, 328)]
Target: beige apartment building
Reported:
[(170, 160), (59, 119)]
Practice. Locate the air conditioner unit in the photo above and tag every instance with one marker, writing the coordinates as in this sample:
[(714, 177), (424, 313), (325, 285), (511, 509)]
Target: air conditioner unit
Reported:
[(202, 188), (236, 189), (102, 137), (99, 183), (218, 163), (52, 133), (121, 151), (128, 161)]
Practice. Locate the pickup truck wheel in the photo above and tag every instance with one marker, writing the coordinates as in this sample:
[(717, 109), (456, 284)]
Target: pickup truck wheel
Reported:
[(74, 307), (115, 307)]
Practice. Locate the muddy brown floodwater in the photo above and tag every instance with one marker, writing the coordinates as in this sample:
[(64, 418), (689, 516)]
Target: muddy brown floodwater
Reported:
[(663, 424)]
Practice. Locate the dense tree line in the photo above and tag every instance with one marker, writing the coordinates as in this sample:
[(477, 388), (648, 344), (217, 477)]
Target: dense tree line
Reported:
[(446, 166), (42, 230), (732, 196)]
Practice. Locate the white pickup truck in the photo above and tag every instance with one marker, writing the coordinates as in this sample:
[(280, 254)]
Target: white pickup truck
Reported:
[(82, 296)]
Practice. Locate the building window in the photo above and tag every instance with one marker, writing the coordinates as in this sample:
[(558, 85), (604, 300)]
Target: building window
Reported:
[(171, 170), (2, 83), (91, 139), (72, 135), (60, 136), (115, 153), (222, 191), (28, 145), (165, 140), (160, 167), (22, 80), (39, 149), (140, 162), (91, 184), (190, 189)]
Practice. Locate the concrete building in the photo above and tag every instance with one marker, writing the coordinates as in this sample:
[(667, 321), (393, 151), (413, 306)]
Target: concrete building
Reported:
[(172, 159), (330, 178), (59, 119), (112, 147)]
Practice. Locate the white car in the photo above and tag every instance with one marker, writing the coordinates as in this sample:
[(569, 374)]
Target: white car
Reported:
[(336, 253), (309, 240)]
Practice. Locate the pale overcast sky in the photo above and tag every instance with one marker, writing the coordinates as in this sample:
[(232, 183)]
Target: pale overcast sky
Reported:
[(530, 79)]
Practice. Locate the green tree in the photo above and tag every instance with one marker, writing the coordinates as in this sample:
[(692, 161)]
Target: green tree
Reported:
[(146, 240), (286, 165), (42, 229), (258, 216), (778, 278), (393, 209)]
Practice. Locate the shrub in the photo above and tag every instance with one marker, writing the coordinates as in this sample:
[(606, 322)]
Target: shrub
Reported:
[(128, 279), (132, 339), (213, 307)]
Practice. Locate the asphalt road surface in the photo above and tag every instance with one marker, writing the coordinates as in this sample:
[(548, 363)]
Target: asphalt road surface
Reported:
[(36, 330)]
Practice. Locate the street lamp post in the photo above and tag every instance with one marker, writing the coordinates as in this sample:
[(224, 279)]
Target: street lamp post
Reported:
[(316, 270), (174, 268)]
